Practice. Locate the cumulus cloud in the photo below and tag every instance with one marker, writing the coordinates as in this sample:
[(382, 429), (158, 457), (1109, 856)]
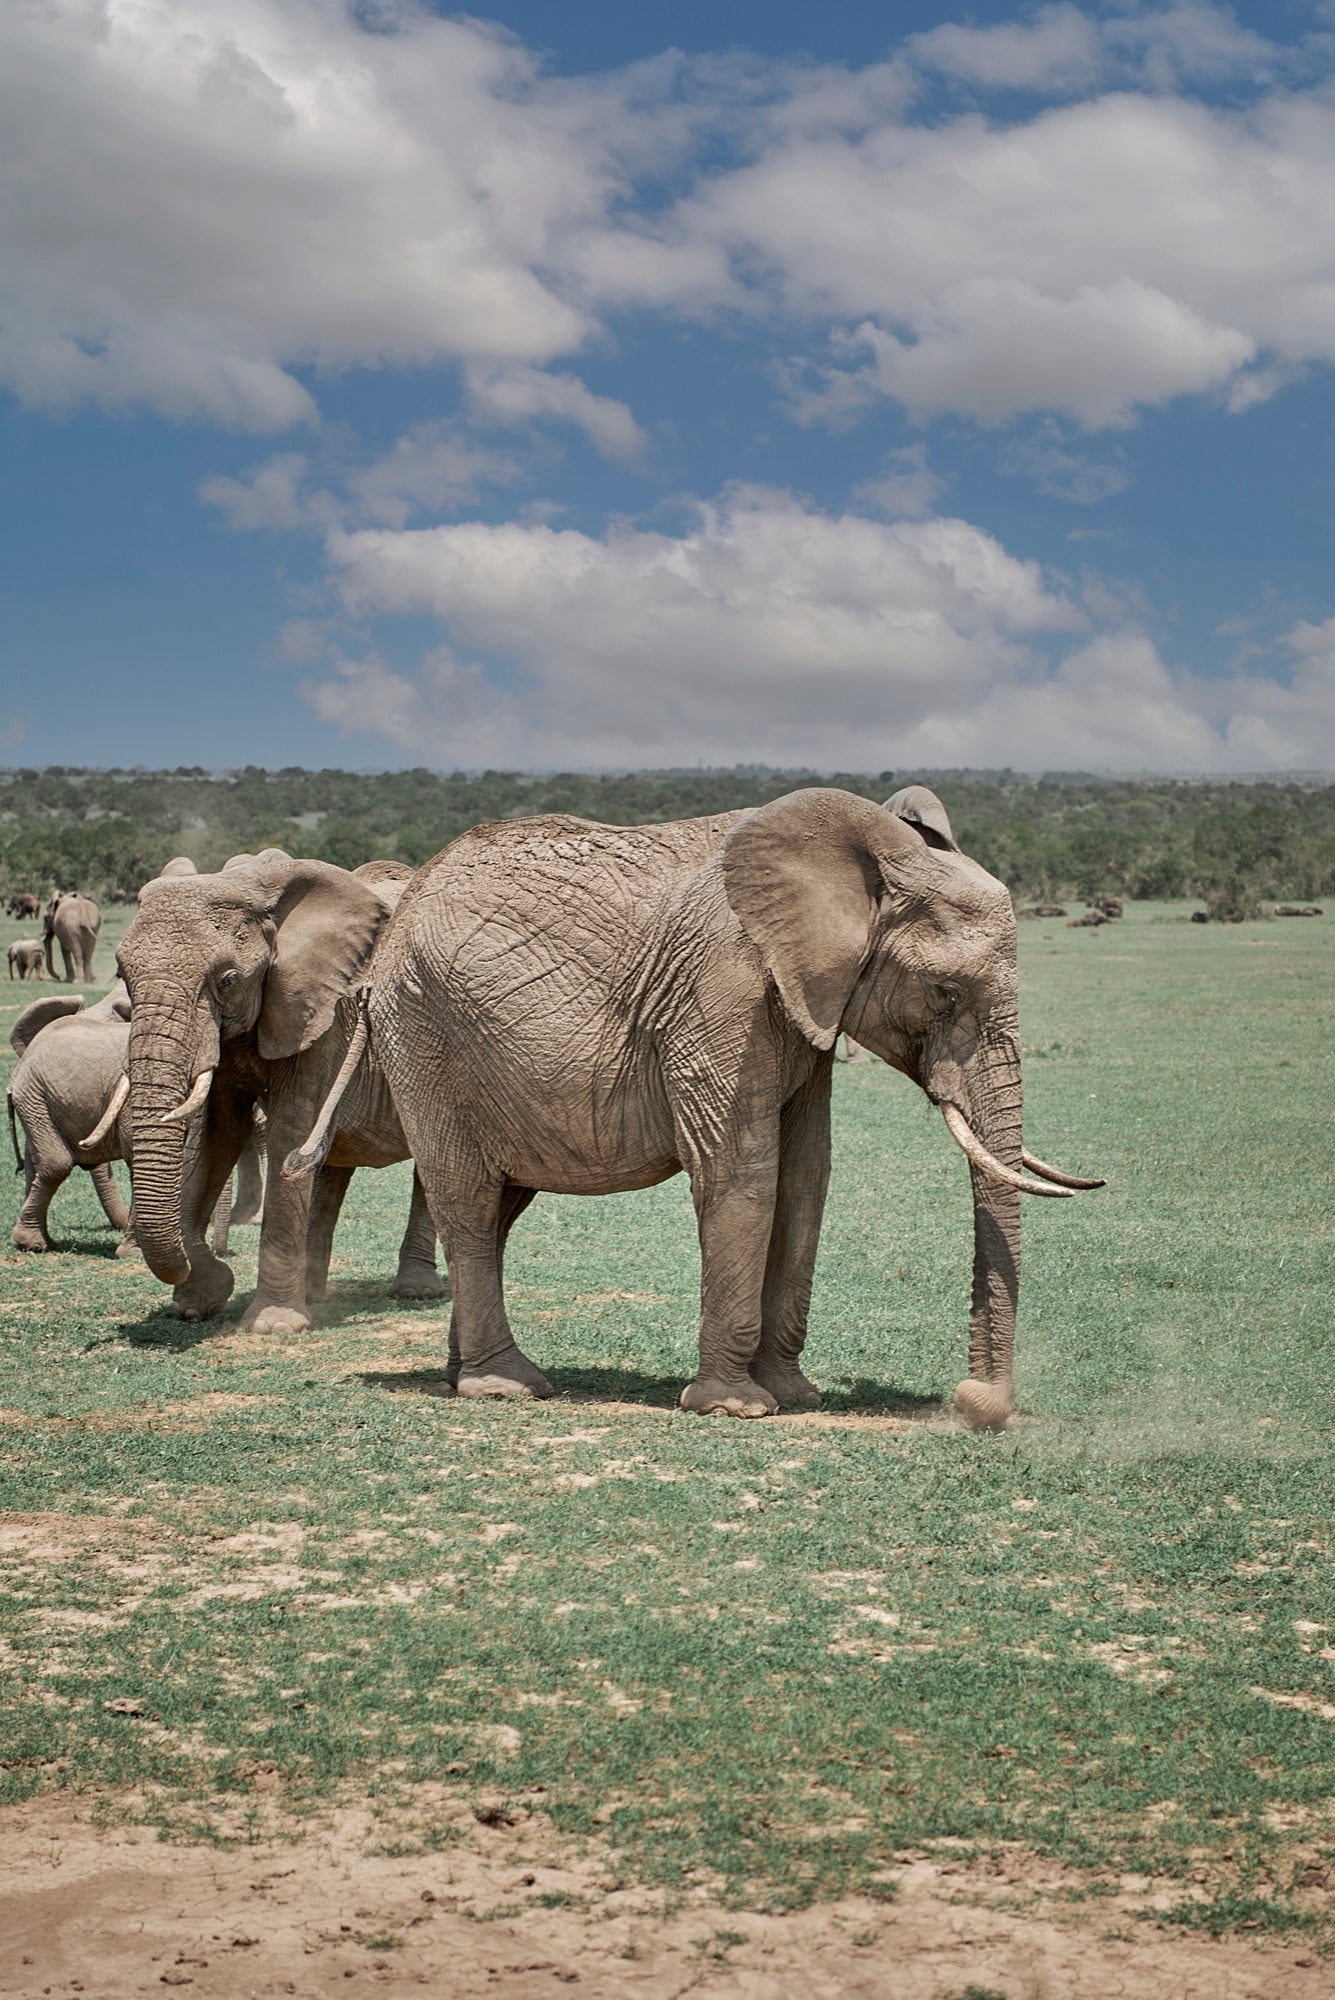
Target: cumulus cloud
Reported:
[(1095, 259), (212, 201), (769, 630), (207, 194)]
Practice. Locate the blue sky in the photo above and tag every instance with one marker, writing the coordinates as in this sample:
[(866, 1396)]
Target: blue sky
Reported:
[(849, 386)]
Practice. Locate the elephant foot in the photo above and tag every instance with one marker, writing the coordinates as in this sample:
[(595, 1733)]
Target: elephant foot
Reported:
[(419, 1281), (260, 1318), (984, 1406), (509, 1373), (737, 1396), (24, 1237), (205, 1292), (790, 1388)]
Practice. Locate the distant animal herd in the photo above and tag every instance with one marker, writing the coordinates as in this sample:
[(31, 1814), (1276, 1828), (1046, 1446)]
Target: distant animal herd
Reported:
[(550, 1005)]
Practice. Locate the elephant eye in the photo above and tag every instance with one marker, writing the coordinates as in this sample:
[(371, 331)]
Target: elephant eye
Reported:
[(949, 996), (227, 980)]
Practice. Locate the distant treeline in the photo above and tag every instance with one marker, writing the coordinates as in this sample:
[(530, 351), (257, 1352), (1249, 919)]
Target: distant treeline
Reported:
[(1230, 844)]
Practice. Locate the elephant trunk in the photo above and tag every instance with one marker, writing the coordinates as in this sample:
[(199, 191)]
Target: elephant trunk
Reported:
[(164, 1047), (991, 1083)]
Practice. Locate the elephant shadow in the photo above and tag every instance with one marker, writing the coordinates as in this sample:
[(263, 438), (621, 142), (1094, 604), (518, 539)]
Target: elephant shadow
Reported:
[(860, 1397)]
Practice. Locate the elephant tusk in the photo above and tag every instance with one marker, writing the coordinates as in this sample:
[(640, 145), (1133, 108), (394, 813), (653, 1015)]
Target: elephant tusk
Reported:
[(183, 1113), (970, 1144), (115, 1105), (1048, 1173)]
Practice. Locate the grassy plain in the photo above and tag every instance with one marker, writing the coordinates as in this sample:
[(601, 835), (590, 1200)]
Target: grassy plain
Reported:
[(238, 1573)]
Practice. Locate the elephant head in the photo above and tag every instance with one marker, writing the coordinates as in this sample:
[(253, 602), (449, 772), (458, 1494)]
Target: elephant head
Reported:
[(265, 949), (870, 919)]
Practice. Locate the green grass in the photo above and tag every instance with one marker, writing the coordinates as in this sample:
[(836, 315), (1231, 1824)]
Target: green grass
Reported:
[(772, 1653)]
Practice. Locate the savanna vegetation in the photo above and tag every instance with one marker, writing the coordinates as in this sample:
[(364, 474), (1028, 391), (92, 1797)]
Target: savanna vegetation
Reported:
[(1232, 846), (239, 1573)]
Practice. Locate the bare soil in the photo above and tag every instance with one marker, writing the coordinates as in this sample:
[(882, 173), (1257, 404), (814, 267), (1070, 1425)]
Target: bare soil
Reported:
[(505, 1908)]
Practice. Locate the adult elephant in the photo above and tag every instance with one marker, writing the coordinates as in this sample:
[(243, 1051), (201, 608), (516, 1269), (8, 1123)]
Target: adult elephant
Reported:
[(72, 922), (587, 1009), (244, 986)]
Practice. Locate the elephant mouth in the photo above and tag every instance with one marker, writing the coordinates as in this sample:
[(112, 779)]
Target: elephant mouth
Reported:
[(1051, 1182)]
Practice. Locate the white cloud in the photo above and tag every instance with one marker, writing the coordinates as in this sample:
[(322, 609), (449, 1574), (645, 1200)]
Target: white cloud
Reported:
[(210, 202), (768, 631), (270, 498), (1060, 49), (205, 193), (907, 485), (516, 395), (432, 468)]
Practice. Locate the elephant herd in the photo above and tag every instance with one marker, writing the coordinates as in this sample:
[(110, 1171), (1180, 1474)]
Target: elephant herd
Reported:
[(71, 921), (554, 1005)]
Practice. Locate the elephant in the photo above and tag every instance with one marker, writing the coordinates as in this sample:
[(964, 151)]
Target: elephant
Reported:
[(24, 904), (586, 1009), (71, 1058), (73, 922), (69, 1091), (26, 954), (244, 985)]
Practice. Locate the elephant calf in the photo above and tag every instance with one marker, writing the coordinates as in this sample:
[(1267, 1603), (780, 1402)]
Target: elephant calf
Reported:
[(71, 1060), (25, 956)]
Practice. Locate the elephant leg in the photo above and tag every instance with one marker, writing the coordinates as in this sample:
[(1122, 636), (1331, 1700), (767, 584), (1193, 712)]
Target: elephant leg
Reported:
[(804, 1176), (734, 1205), (40, 1184), (104, 1185), (417, 1276), (473, 1216), (222, 1219), (327, 1197), (249, 1201), (279, 1304)]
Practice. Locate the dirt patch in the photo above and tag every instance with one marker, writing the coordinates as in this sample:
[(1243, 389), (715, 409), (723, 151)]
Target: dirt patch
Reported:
[(501, 1906)]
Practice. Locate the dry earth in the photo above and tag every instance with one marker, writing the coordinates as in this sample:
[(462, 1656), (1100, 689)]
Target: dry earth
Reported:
[(109, 1911)]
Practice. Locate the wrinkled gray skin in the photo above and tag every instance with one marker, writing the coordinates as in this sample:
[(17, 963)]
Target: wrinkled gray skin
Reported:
[(72, 922), (586, 1009), (70, 1060), (25, 959), (252, 973)]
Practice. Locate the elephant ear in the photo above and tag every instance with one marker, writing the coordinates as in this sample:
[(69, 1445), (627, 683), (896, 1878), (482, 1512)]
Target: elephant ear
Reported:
[(922, 809), (39, 1014), (327, 923), (114, 1004), (804, 876)]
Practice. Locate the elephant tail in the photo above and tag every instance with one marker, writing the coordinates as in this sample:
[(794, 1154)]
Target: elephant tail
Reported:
[(14, 1132)]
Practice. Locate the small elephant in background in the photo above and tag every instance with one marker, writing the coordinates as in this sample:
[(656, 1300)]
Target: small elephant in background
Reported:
[(26, 955), (72, 922), (24, 904)]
